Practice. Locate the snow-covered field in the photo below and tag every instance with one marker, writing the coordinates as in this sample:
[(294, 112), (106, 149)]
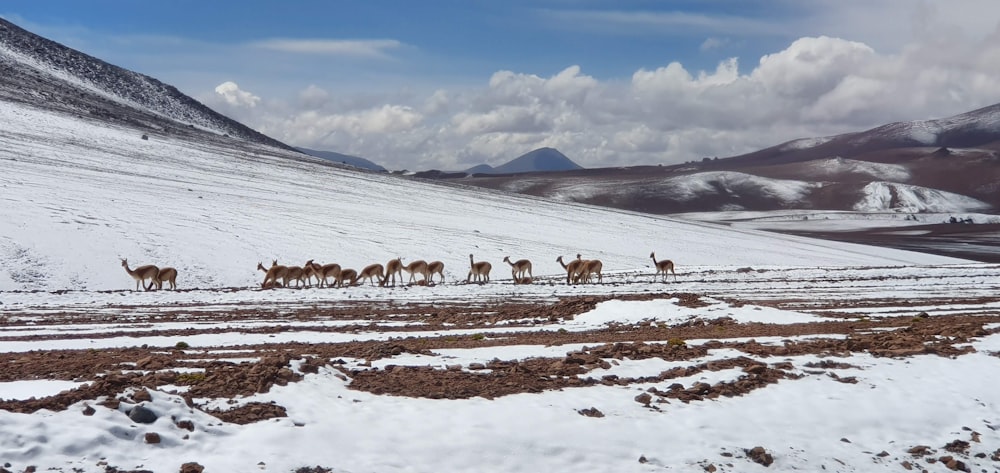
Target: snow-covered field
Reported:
[(77, 196)]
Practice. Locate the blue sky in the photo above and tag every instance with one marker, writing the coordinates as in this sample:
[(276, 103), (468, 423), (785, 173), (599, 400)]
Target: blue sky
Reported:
[(450, 84)]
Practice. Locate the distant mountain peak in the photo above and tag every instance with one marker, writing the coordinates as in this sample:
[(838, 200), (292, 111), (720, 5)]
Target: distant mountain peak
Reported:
[(540, 160)]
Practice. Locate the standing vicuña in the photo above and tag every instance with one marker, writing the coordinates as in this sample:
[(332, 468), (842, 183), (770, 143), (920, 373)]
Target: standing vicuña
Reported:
[(662, 267), (168, 275), (518, 269), (435, 267), (573, 269), (273, 274), (349, 275), (373, 272), (480, 269), (589, 267), (392, 269), (141, 274), (297, 274), (327, 271), (418, 267)]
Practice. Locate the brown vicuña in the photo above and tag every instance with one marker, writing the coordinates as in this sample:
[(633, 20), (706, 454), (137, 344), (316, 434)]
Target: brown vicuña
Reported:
[(166, 275), (662, 267), (141, 274), (393, 269), (373, 272), (273, 274), (589, 267), (435, 267), (418, 267), (325, 272), (480, 269), (573, 269), (519, 268), (349, 275)]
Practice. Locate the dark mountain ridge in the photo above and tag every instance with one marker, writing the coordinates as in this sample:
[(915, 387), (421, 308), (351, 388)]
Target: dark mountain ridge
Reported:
[(33, 69)]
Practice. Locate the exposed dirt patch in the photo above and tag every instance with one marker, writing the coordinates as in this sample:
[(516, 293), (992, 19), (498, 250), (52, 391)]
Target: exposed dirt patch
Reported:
[(108, 373)]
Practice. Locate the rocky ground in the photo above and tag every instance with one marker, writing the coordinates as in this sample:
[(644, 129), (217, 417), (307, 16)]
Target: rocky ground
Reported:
[(126, 374)]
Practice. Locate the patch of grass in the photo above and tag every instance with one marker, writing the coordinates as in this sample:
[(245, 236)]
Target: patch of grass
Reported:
[(479, 336), (182, 345), (676, 342), (190, 378)]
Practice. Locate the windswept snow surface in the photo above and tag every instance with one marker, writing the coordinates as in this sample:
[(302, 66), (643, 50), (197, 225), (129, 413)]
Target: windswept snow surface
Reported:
[(77, 196), (838, 165), (805, 143), (680, 188)]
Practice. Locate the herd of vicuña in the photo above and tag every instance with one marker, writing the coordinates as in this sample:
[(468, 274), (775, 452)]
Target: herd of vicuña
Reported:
[(578, 271)]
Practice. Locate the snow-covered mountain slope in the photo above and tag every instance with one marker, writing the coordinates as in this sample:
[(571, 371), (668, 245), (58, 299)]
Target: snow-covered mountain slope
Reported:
[(36, 70), (837, 166), (880, 196), (721, 186), (80, 194)]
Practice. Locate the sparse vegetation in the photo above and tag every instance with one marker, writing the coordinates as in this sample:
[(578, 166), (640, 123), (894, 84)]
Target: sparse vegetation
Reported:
[(190, 378)]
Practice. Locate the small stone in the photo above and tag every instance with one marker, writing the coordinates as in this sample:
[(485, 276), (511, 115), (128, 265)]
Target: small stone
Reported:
[(192, 467), (759, 455), (907, 465), (142, 395), (152, 437), (642, 459), (919, 450), (883, 454), (142, 415), (710, 468), (644, 399), (88, 411), (185, 424)]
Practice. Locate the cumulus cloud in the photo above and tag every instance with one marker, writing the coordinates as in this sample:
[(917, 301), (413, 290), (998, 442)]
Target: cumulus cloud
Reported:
[(814, 86), (232, 95)]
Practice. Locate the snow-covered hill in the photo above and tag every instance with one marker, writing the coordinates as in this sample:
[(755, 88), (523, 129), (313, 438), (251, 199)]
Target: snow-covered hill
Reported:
[(882, 196), (80, 194)]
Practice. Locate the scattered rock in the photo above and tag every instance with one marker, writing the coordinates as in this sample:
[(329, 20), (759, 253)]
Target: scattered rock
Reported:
[(642, 459), (88, 411), (644, 399), (957, 446), (186, 425), (759, 455), (882, 454), (142, 395), (142, 415), (919, 450), (152, 437), (710, 468), (192, 467), (953, 464), (907, 465), (592, 412)]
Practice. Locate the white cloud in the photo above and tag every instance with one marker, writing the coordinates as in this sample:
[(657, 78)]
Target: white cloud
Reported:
[(816, 86), (713, 43), (375, 48), (232, 95)]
